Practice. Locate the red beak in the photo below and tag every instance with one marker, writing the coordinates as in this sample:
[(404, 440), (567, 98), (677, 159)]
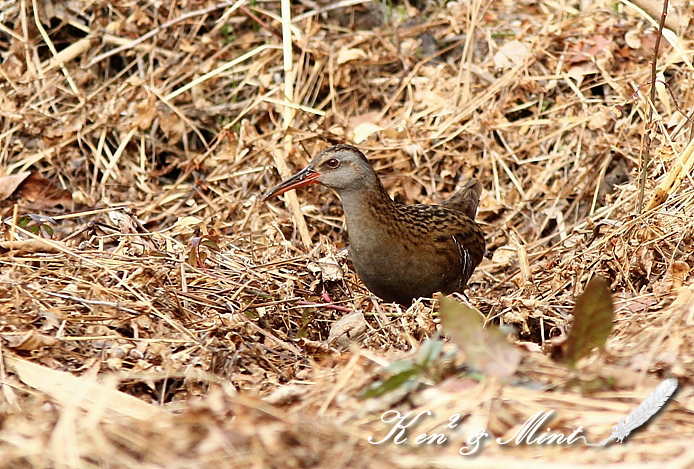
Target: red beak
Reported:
[(303, 178)]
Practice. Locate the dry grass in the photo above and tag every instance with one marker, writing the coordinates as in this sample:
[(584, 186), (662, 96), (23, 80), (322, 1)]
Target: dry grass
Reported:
[(150, 129)]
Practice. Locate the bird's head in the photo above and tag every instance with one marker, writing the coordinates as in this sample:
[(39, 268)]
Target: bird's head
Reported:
[(340, 167)]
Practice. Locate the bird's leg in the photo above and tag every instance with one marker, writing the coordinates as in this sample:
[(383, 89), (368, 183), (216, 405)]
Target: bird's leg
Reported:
[(464, 299), (325, 296)]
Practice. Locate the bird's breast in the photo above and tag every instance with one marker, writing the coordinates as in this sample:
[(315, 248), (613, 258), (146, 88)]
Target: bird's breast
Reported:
[(396, 268)]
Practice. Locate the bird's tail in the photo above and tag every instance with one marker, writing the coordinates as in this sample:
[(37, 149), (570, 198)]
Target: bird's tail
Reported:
[(466, 199)]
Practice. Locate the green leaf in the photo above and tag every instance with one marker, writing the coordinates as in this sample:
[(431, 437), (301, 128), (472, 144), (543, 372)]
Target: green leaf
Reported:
[(202, 257), (593, 320), (392, 382), (487, 350), (307, 316), (192, 258), (211, 245), (48, 229), (399, 366), (428, 351)]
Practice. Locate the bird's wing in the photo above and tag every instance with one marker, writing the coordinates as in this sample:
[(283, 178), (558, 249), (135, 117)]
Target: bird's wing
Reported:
[(461, 236)]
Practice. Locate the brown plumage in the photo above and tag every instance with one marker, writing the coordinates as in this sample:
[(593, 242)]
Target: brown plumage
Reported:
[(400, 251)]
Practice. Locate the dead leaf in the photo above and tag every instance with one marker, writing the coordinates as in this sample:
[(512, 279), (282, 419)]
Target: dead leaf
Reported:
[(663, 94), (9, 184), (26, 246), (364, 131), (677, 272), (578, 71), (644, 259), (32, 340), (328, 268), (585, 51), (592, 320), (172, 126), (347, 55), (123, 221), (41, 192), (511, 54), (92, 396), (188, 225), (674, 278), (639, 304), (146, 112), (370, 117), (486, 349), (287, 394), (598, 121), (633, 38), (348, 329)]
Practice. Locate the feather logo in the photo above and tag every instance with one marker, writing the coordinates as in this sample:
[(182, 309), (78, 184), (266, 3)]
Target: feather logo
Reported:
[(644, 411)]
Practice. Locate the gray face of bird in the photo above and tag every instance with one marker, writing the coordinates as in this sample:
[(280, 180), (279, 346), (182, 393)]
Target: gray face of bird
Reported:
[(340, 167), (343, 168)]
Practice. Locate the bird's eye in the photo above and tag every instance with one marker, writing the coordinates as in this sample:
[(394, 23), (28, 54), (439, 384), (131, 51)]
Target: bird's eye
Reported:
[(332, 163)]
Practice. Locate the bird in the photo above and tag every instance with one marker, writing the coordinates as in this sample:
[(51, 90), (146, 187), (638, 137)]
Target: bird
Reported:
[(400, 251)]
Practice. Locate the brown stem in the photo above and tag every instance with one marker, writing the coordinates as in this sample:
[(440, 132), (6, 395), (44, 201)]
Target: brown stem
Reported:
[(645, 155)]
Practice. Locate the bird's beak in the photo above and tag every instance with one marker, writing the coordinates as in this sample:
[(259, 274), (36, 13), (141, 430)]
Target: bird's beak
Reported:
[(303, 178)]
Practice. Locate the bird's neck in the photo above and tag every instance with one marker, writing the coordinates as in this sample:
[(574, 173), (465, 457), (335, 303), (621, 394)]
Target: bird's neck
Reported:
[(366, 207)]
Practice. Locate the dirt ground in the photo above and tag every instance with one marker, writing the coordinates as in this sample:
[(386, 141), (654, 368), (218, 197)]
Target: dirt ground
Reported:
[(155, 313)]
